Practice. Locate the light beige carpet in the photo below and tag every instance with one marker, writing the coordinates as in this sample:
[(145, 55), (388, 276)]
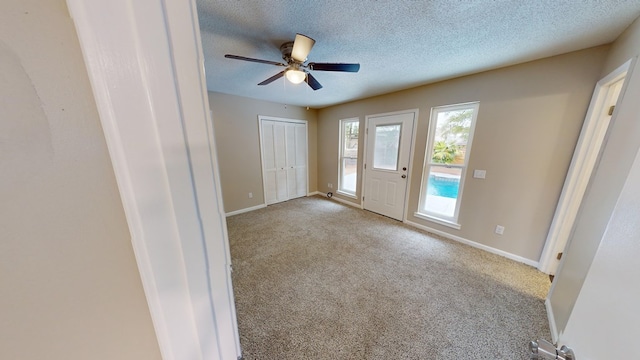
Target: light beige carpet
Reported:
[(314, 279)]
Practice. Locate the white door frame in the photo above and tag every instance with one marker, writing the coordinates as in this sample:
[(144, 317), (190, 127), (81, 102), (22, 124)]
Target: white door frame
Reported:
[(306, 134), (415, 113), (148, 81), (583, 162)]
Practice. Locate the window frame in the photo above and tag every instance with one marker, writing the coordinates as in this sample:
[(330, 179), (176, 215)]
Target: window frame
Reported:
[(342, 157), (428, 164)]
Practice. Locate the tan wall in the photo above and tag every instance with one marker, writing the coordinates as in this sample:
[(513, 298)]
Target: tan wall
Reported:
[(528, 123), (624, 48), (70, 285), (235, 123), (605, 184), (607, 307)]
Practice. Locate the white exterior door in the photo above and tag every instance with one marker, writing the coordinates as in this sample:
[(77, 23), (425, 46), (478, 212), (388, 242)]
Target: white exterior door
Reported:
[(386, 173), (284, 159)]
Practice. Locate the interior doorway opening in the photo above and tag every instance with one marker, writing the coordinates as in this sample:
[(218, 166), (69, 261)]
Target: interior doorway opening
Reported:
[(592, 138)]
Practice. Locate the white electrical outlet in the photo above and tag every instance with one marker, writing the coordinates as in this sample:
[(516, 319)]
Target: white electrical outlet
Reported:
[(330, 185), (479, 174), (250, 195), (499, 229)]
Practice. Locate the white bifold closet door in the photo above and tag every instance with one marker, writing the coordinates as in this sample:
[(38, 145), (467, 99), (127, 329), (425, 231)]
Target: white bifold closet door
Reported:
[(284, 159)]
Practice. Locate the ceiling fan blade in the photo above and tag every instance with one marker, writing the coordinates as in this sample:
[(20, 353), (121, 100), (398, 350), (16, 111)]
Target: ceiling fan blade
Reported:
[(273, 78), (236, 57), (315, 85), (334, 67), (301, 47)]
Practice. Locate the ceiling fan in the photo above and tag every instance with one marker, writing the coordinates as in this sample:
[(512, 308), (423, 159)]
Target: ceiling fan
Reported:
[(296, 69)]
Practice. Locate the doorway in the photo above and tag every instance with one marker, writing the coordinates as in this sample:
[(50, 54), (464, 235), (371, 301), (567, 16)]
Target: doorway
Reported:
[(592, 137), (388, 143)]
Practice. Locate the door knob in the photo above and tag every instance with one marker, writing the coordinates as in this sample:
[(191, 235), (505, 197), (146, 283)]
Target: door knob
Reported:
[(404, 176), (542, 349), (404, 168)]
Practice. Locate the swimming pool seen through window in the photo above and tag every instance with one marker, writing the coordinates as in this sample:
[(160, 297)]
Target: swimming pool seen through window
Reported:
[(447, 155)]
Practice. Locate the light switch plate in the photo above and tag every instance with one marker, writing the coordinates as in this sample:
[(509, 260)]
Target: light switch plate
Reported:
[(479, 174)]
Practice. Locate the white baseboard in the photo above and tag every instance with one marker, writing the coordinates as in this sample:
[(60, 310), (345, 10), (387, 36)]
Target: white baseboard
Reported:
[(261, 206), (242, 211), (475, 244), (342, 201), (552, 322)]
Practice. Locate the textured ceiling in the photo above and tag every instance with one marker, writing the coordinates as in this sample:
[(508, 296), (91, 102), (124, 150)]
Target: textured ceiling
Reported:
[(399, 44)]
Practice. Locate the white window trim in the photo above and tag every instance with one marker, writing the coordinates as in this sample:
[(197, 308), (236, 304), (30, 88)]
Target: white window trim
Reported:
[(353, 195), (439, 218)]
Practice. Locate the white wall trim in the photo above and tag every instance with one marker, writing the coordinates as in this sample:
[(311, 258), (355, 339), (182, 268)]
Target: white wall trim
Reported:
[(346, 194), (281, 119), (153, 107), (342, 201), (246, 210), (475, 244), (262, 206), (436, 220), (552, 321), (584, 158)]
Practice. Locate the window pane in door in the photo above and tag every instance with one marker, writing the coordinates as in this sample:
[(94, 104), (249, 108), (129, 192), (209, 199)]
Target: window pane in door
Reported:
[(442, 190), (387, 142)]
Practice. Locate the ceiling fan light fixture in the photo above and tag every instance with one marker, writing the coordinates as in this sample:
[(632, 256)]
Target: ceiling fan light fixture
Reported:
[(296, 69), (295, 76)]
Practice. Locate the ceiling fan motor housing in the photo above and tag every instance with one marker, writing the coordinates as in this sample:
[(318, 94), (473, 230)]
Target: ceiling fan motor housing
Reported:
[(286, 50)]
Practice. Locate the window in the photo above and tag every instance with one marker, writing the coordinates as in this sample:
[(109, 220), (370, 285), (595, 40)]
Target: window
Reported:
[(448, 148), (387, 147), (348, 171)]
